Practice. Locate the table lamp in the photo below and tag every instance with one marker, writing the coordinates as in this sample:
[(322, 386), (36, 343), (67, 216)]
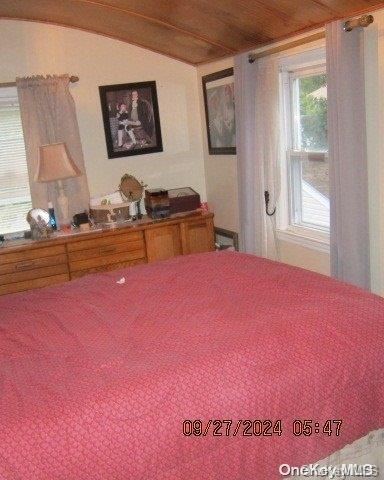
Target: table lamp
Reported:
[(54, 165)]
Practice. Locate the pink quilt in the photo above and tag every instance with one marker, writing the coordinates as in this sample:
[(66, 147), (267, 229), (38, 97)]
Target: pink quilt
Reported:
[(97, 378)]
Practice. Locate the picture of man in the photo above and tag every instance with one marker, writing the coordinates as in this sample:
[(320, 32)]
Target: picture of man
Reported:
[(131, 119), (139, 124)]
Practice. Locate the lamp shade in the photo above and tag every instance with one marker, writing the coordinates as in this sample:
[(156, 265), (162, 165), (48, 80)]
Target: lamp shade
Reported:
[(55, 163)]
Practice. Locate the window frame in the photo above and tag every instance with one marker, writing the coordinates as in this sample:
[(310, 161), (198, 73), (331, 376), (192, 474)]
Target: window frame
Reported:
[(313, 236), (294, 161)]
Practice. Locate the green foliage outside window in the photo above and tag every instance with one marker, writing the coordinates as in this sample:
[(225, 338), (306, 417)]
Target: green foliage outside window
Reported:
[(313, 114)]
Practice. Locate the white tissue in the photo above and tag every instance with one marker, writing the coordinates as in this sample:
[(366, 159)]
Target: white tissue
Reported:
[(121, 281)]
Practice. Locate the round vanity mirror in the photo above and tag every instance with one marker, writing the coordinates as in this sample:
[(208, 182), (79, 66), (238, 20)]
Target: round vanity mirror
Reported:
[(38, 220)]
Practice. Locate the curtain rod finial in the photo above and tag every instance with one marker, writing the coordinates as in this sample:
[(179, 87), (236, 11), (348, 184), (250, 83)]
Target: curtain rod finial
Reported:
[(363, 21)]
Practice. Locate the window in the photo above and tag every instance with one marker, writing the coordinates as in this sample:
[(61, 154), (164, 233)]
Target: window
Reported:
[(305, 156), (15, 197)]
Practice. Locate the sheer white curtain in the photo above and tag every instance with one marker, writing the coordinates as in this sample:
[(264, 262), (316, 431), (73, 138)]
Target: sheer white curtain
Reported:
[(257, 140), (48, 115), (347, 134)]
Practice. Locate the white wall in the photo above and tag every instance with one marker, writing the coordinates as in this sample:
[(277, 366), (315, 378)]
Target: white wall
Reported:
[(34, 48), (304, 257)]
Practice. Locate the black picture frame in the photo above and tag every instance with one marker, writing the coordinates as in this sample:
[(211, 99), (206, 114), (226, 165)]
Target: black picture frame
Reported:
[(228, 234), (212, 147), (135, 138)]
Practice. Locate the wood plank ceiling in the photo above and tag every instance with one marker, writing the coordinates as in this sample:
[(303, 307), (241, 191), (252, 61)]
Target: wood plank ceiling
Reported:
[(194, 31)]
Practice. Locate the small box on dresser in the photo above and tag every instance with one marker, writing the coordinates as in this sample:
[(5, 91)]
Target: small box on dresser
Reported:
[(183, 200)]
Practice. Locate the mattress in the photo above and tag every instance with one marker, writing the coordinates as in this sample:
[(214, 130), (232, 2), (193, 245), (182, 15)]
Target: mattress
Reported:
[(200, 367)]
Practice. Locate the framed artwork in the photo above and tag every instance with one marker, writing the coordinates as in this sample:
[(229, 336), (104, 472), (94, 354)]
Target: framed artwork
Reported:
[(219, 102), (226, 239), (131, 119)]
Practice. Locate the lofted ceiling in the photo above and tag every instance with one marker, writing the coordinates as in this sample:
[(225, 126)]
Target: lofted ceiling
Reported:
[(194, 31)]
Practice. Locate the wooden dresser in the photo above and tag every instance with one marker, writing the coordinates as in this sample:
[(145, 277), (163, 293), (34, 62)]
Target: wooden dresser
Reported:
[(27, 264)]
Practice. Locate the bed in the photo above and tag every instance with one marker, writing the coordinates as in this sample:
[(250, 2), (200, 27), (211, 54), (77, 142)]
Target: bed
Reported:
[(131, 374)]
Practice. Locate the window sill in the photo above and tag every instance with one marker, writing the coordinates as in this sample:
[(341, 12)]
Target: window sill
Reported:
[(307, 238)]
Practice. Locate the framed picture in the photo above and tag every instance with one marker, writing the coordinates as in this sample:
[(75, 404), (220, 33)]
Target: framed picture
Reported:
[(131, 119), (219, 102), (226, 239)]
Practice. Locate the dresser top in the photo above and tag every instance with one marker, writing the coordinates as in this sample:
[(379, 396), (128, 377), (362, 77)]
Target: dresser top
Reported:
[(76, 234)]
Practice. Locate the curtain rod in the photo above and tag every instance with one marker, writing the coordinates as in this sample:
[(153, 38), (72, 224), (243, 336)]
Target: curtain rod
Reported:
[(348, 26), (72, 79), (281, 48)]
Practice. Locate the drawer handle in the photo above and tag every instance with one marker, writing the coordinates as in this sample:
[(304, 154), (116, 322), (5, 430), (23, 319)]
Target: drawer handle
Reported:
[(198, 225), (25, 265), (110, 249)]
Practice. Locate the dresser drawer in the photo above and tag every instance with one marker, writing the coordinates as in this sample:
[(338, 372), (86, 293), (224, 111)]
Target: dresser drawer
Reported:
[(32, 273), (105, 241), (36, 283), (105, 253), (106, 260), (104, 268), (104, 250), (31, 254), (33, 268), (31, 264)]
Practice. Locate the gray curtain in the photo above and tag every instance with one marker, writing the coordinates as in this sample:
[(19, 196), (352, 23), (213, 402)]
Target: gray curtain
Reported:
[(257, 123), (350, 249), (48, 115)]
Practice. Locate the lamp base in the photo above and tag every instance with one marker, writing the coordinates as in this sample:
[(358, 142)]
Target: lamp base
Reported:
[(62, 200)]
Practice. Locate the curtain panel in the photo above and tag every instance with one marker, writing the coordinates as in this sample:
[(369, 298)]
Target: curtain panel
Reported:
[(48, 115), (347, 136), (257, 140)]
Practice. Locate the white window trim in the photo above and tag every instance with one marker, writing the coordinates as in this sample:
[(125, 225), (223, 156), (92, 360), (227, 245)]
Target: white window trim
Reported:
[(306, 237), (314, 238), (295, 198)]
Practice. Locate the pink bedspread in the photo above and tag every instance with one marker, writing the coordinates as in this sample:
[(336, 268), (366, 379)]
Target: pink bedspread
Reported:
[(97, 377)]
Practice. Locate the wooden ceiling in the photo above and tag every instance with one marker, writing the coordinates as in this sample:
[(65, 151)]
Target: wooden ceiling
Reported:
[(194, 31)]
